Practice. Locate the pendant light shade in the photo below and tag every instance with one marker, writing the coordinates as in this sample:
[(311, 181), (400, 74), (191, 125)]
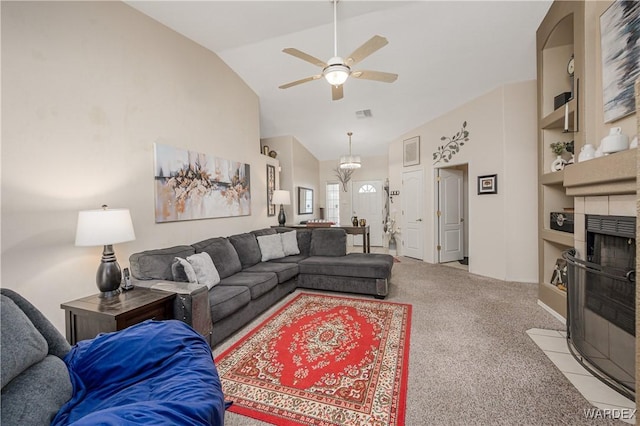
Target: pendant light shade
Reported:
[(350, 161)]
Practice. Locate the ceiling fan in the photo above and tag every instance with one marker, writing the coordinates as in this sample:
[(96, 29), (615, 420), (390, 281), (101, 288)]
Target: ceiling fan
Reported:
[(336, 70)]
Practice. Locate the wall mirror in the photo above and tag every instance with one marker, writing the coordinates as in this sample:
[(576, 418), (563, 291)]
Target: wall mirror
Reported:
[(305, 200)]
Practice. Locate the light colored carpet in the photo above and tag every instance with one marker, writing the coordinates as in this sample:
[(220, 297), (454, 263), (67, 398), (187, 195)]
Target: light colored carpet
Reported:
[(471, 361)]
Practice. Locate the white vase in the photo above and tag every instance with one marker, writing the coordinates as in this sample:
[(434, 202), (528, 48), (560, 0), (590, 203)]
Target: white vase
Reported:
[(558, 164)]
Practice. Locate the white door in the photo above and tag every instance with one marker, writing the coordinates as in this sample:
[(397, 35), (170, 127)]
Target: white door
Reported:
[(412, 218), (450, 214), (368, 199)]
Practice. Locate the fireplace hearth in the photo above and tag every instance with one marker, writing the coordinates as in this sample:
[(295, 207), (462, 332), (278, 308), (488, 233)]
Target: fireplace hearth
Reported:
[(601, 301)]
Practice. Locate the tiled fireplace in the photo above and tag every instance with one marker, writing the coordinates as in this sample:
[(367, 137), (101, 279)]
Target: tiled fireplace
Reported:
[(601, 323)]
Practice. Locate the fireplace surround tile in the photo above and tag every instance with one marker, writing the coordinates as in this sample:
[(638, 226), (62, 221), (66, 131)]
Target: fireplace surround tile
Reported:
[(596, 205), (622, 205), (578, 204)]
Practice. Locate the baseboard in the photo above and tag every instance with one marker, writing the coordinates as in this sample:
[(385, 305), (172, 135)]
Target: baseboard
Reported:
[(552, 312)]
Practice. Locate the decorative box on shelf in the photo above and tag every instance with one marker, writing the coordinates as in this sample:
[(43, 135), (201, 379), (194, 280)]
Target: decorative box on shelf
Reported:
[(562, 221)]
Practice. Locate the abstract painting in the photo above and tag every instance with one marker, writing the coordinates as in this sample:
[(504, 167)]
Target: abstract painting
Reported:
[(620, 41), (190, 185)]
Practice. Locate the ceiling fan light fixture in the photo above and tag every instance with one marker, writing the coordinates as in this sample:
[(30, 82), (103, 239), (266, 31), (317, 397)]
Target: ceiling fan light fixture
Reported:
[(336, 74), (350, 161)]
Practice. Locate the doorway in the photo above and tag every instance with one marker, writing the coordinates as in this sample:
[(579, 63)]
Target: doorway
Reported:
[(368, 203), (452, 212), (412, 215)]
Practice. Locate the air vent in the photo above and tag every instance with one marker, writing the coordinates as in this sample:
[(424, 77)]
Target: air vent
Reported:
[(620, 226), (365, 113)]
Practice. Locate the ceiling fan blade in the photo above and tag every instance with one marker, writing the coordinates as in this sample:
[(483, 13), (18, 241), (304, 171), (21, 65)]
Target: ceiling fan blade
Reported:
[(385, 77), (302, 80), (374, 43), (337, 92), (305, 57)]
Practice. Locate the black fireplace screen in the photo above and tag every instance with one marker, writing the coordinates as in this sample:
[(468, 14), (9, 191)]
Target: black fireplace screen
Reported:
[(601, 302)]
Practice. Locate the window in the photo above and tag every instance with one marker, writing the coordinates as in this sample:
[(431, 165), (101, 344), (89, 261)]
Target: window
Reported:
[(333, 202), (367, 188)]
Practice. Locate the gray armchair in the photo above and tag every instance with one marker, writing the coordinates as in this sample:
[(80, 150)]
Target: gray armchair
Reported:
[(35, 380)]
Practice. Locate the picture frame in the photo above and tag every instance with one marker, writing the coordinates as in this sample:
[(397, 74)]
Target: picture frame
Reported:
[(411, 151), (559, 275), (271, 186), (305, 200), (619, 24), (487, 184)]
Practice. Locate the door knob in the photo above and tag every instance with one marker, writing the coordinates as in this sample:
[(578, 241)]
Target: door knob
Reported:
[(418, 220)]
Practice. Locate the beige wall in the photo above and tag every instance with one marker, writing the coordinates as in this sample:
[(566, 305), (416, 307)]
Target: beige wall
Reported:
[(87, 88), (502, 141), (298, 168)]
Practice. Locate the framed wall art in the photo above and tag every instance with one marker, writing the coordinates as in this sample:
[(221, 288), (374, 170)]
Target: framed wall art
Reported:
[(271, 186), (487, 184), (305, 200), (619, 28), (411, 151), (191, 185)]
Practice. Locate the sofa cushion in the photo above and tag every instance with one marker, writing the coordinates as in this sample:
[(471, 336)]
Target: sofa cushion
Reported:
[(289, 259), (365, 265), (258, 283), (21, 345), (182, 271), (204, 269), (247, 248), (328, 242), (222, 253), (36, 395), (290, 243), (303, 235), (264, 231), (284, 271), (156, 264), (224, 300), (270, 247)]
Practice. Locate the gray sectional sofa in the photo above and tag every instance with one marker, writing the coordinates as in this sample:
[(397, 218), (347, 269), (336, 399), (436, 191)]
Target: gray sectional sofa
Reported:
[(249, 284)]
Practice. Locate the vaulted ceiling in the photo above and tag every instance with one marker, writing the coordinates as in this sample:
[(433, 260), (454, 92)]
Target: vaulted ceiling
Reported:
[(445, 53)]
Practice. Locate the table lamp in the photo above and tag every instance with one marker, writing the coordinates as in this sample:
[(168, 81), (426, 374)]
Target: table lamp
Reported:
[(283, 198), (105, 227)]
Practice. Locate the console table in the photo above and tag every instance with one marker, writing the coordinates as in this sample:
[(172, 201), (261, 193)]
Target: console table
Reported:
[(353, 230)]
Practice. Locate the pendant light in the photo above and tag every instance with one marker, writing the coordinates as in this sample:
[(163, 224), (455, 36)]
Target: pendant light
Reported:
[(350, 161)]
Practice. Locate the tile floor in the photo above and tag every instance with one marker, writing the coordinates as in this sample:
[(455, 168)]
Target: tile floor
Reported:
[(554, 345)]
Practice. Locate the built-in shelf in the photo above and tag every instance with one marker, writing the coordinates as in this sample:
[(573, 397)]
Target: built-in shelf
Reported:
[(556, 120), (558, 237), (554, 178)]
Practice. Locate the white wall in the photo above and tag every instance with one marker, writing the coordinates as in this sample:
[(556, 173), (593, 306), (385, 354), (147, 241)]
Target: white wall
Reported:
[(87, 88), (502, 141)]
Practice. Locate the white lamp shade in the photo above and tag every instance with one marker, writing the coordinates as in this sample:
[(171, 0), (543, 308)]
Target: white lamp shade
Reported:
[(281, 197), (104, 227)]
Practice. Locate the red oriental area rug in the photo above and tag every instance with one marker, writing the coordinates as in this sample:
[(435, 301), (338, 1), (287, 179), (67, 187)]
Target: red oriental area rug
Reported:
[(322, 360)]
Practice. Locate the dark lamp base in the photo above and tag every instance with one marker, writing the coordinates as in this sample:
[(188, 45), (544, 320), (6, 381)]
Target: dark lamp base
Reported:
[(281, 217), (109, 275)]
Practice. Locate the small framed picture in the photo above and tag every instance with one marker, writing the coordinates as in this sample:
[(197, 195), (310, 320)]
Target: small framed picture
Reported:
[(411, 151), (487, 184), (559, 276)]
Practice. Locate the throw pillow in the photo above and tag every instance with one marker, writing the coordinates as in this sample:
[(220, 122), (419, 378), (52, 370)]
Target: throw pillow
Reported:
[(204, 268), (183, 271), (290, 243), (270, 247)]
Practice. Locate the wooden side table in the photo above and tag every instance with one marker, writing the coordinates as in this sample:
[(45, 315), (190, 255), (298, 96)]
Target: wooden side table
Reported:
[(85, 318)]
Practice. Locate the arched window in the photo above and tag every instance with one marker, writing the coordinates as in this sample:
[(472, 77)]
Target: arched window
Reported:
[(367, 188)]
